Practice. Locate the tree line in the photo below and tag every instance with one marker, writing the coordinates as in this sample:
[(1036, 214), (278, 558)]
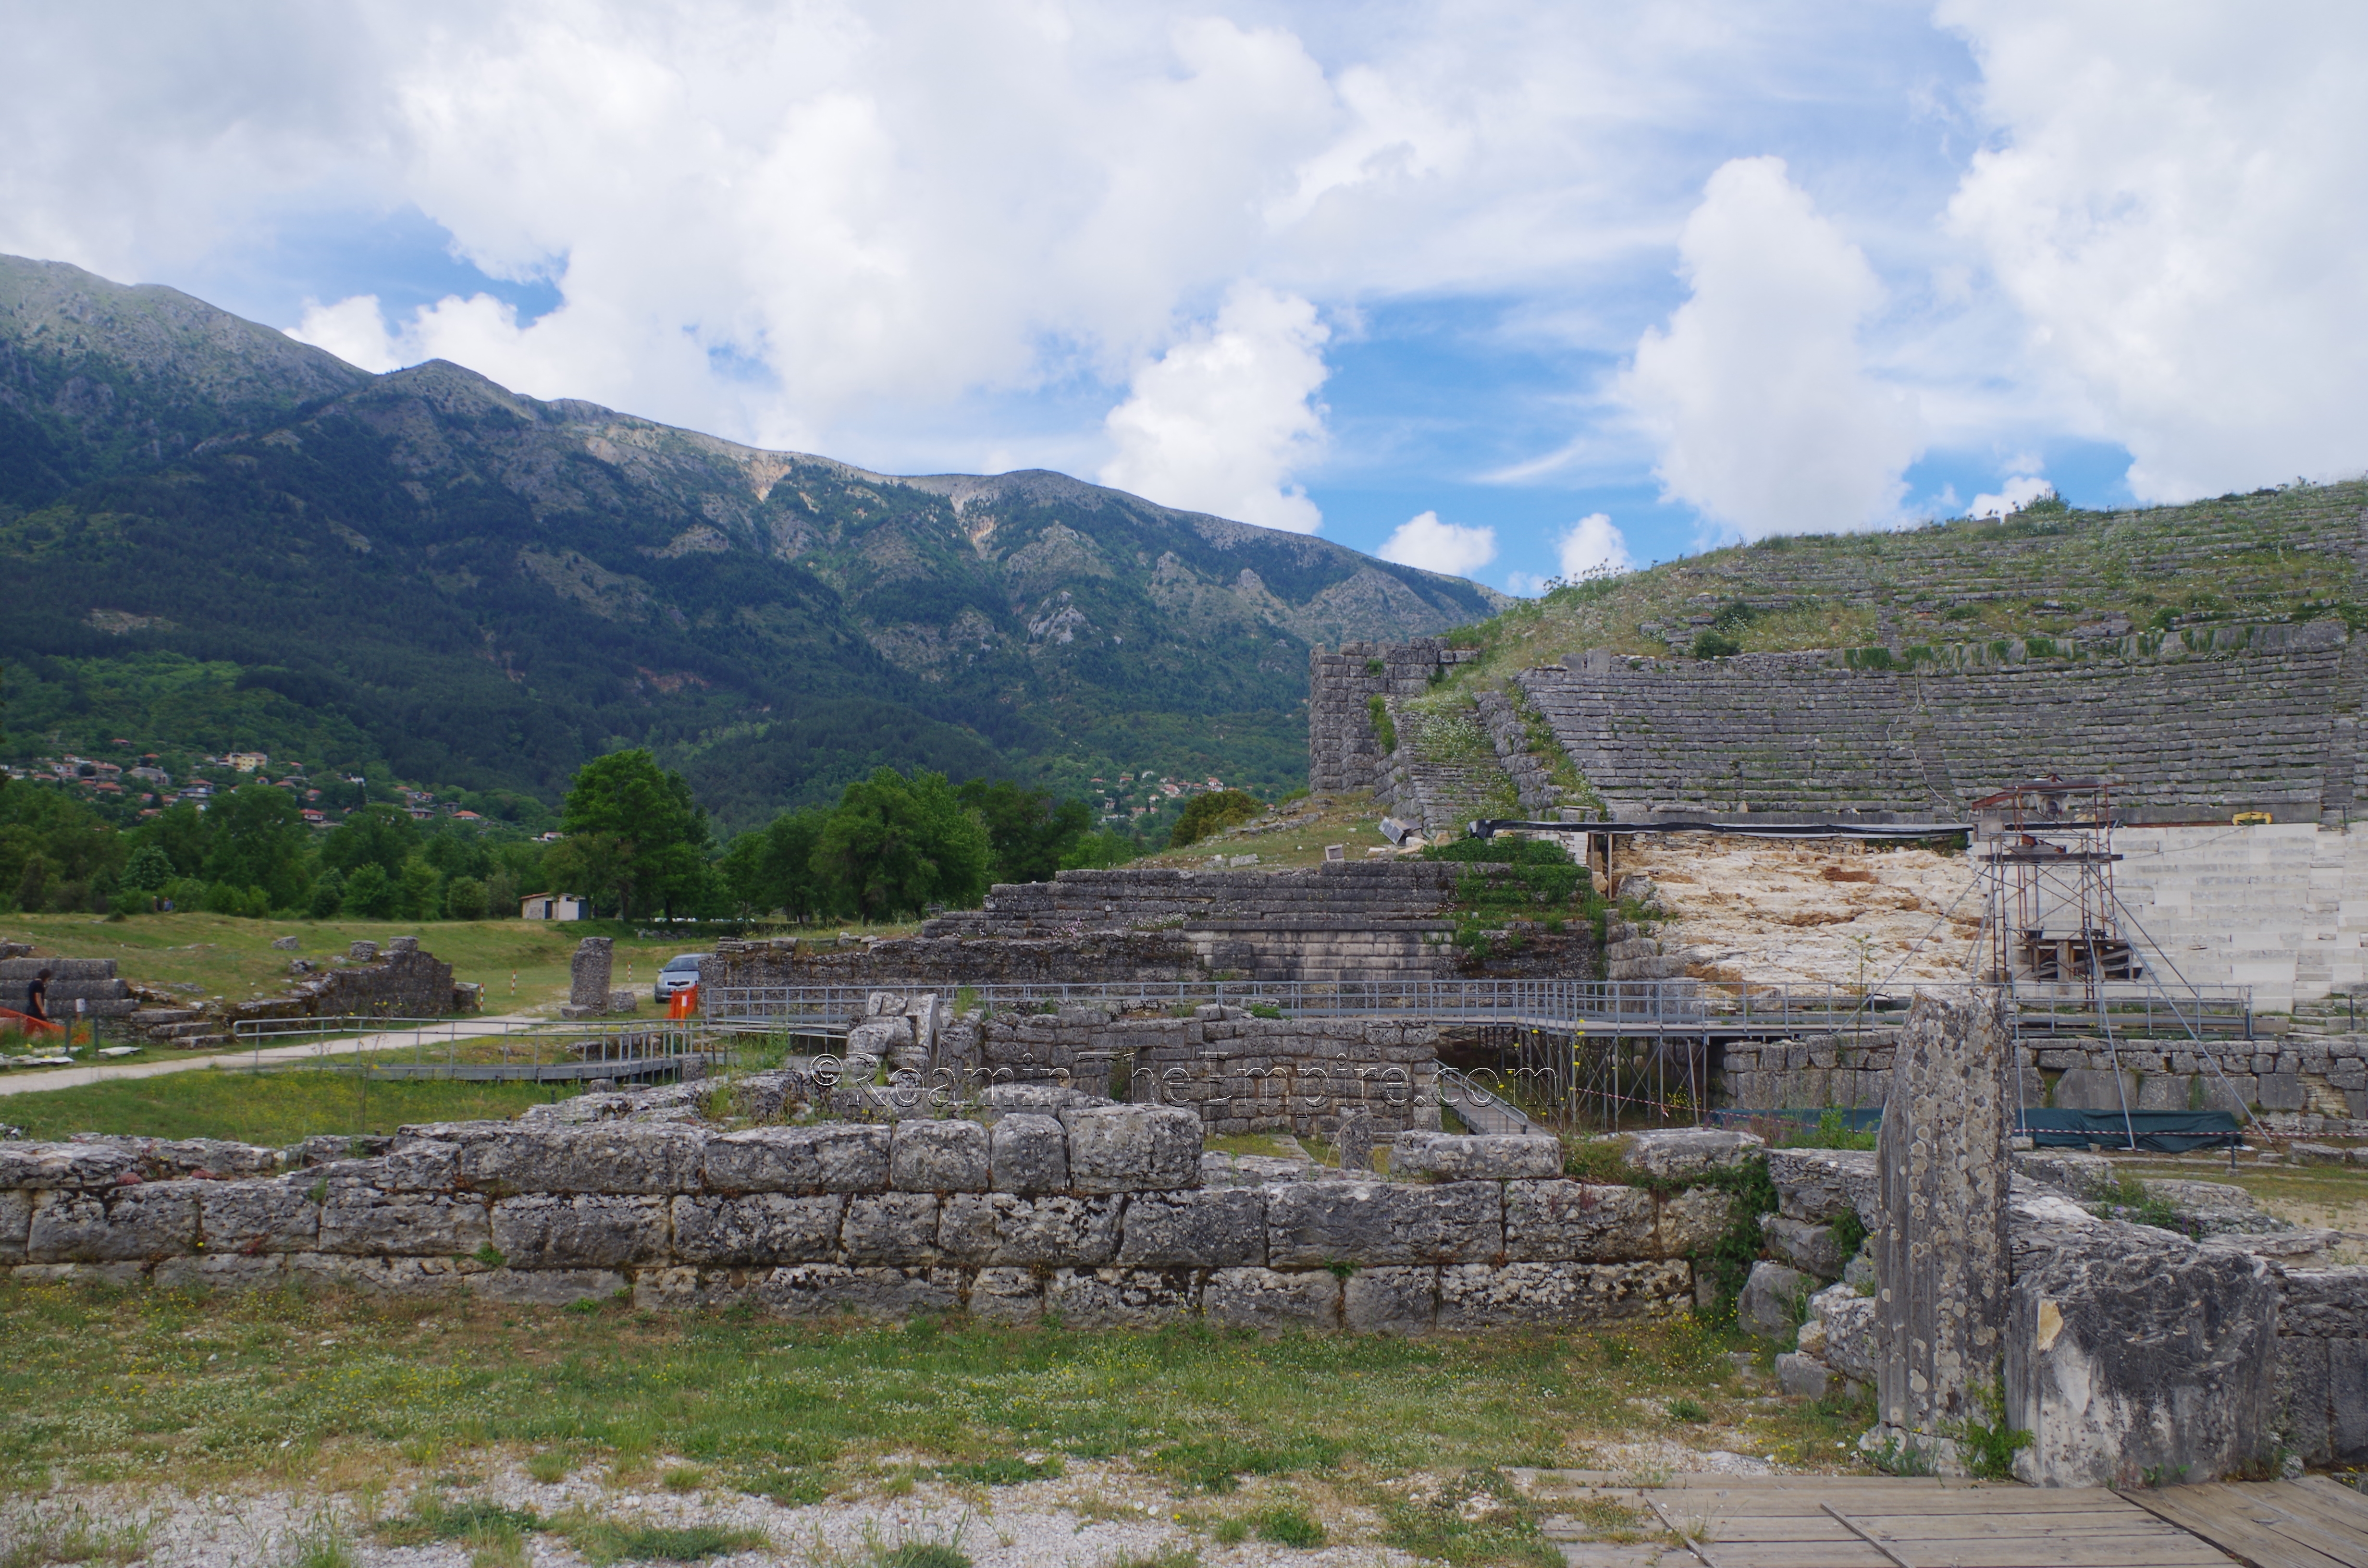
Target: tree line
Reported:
[(633, 841)]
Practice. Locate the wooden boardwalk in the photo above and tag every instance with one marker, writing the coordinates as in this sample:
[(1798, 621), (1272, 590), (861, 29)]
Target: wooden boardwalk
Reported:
[(1808, 1521)]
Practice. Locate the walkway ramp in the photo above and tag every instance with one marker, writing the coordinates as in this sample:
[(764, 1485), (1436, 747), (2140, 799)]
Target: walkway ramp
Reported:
[(1848, 1521)]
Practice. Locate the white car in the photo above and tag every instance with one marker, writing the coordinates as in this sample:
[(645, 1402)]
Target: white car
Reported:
[(681, 972)]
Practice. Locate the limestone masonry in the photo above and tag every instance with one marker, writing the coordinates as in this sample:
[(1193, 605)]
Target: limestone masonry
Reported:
[(1098, 1213)]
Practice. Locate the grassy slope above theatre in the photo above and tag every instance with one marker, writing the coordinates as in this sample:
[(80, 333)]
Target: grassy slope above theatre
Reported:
[(483, 590), (2274, 554)]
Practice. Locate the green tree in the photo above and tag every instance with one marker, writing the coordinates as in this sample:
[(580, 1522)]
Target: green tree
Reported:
[(183, 833), (260, 841), (379, 836), (465, 899), (419, 891), (370, 893), (600, 866), (773, 869), (1212, 812), (894, 845), (148, 869), (329, 894), (658, 834), (1112, 846), (1029, 830)]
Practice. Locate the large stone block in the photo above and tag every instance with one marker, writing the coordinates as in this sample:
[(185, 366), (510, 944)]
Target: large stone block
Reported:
[(890, 1227), (357, 1220), (1494, 1157), (16, 1221), (387, 1275), (2093, 1088), (1567, 1221), (1812, 1249), (1133, 1148), (259, 1216), (1223, 1228), (2131, 1352), (829, 1290), (1941, 1249), (1677, 1152), (1120, 1298), (150, 1221), (928, 1155), (1311, 1224), (831, 1157), (1816, 1185), (222, 1271), (1001, 1229), (683, 1289), (1846, 1322), (1007, 1295), (597, 1157), (421, 1165), (580, 1230), (549, 1286), (45, 1167), (1477, 1296), (1029, 1153), (757, 1228), (1271, 1301), (1391, 1300), (1772, 1300), (2324, 1304)]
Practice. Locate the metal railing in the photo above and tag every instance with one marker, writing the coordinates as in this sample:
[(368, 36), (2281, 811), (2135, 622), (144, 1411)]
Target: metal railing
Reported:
[(1640, 1007), (1479, 1108), (469, 1048)]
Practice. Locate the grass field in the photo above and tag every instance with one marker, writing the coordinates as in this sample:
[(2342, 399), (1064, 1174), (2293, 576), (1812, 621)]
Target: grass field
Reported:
[(226, 957), (270, 1108), (338, 1391)]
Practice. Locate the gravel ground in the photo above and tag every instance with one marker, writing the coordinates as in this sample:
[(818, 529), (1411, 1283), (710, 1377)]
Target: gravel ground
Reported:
[(1093, 1517)]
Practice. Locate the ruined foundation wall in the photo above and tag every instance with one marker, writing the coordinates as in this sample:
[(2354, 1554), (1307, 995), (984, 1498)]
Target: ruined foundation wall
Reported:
[(1099, 1215), (1236, 1071)]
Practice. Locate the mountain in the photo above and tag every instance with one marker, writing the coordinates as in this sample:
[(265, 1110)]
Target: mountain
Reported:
[(222, 538)]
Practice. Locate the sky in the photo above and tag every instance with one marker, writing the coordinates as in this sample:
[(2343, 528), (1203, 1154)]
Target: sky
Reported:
[(1507, 289)]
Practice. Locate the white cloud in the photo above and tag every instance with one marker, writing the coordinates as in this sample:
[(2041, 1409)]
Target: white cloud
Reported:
[(1453, 548), (2020, 491), (2166, 203), (1221, 421), (1593, 544), (1757, 394), (355, 331)]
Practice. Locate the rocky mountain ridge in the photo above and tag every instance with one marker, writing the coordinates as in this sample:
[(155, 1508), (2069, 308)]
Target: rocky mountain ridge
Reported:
[(489, 588)]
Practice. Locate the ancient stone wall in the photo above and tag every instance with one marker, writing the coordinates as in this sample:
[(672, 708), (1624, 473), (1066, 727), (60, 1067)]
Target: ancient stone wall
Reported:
[(1099, 1215), (2321, 1077), (1338, 921), (1237, 1072), (402, 982), (1343, 752)]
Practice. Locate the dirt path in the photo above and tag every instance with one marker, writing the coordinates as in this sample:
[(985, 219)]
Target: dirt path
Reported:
[(456, 1028)]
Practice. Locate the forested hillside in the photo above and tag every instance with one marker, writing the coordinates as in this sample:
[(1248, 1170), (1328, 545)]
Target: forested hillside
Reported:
[(219, 538)]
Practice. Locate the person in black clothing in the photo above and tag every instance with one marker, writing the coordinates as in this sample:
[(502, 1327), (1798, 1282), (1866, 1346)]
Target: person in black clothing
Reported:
[(37, 997)]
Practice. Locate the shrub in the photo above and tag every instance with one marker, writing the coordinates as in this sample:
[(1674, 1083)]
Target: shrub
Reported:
[(1384, 730), (1212, 812), (1714, 645), (1288, 1526)]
